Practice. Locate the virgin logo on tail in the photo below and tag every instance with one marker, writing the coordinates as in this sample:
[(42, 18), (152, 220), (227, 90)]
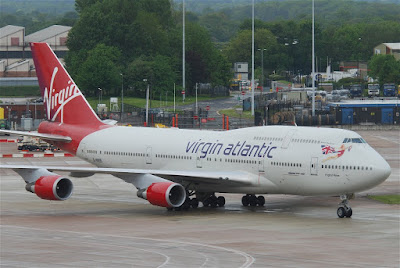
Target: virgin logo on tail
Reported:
[(55, 100)]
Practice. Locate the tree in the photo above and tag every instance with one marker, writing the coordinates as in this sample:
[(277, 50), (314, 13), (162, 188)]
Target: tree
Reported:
[(100, 70), (156, 71), (385, 68), (239, 49), (203, 60), (149, 40)]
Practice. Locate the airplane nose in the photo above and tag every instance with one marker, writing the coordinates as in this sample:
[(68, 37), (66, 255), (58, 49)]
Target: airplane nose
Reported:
[(384, 170)]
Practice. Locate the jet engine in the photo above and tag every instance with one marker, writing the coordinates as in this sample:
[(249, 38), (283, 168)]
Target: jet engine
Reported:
[(164, 194), (52, 187)]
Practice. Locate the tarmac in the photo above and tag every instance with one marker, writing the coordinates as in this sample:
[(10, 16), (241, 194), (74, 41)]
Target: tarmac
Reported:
[(104, 224)]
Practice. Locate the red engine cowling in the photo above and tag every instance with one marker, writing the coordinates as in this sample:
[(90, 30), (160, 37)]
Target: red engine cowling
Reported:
[(164, 194), (53, 187)]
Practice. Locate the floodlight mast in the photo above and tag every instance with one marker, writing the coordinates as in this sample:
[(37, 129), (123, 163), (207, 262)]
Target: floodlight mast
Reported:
[(313, 60), (183, 53), (252, 61)]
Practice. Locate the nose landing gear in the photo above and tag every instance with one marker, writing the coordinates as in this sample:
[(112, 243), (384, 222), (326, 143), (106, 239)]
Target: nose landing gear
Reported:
[(344, 209)]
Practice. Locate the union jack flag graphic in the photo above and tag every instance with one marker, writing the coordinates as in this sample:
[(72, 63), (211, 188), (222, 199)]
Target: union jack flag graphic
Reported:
[(326, 149)]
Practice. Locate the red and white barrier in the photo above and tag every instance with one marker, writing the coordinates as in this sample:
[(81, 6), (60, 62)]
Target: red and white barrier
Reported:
[(8, 140), (36, 155)]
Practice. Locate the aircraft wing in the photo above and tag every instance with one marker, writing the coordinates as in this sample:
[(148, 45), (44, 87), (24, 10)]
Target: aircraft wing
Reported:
[(233, 178), (38, 135)]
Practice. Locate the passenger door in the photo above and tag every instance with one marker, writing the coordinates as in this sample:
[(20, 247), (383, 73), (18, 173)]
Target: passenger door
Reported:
[(314, 166), (148, 155)]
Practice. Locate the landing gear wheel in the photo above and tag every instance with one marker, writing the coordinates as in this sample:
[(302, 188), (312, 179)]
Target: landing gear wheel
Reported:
[(253, 201), (194, 203), (221, 201), (341, 212), (344, 209), (245, 200), (186, 204), (349, 212), (261, 200)]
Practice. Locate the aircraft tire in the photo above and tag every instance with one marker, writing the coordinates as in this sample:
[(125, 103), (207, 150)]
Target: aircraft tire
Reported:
[(221, 201), (349, 213), (186, 204), (341, 212), (261, 200), (194, 203), (245, 200), (253, 201)]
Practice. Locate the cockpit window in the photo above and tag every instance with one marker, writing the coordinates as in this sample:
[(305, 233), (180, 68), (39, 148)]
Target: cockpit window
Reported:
[(354, 140)]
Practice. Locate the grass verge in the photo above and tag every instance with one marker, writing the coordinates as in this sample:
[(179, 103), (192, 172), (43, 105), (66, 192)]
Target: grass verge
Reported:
[(141, 103), (19, 91), (393, 199), (236, 112)]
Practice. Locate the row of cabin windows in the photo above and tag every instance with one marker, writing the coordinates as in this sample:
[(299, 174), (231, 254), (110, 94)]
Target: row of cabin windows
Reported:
[(242, 161), (304, 141), (285, 164), (168, 156), (124, 153), (346, 167), (211, 159), (258, 138), (292, 140)]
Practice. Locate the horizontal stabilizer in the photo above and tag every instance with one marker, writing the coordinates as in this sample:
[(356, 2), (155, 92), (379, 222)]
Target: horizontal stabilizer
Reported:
[(44, 136)]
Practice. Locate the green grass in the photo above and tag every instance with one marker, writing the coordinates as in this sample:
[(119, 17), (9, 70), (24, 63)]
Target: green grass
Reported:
[(19, 91), (141, 103), (237, 114), (387, 199)]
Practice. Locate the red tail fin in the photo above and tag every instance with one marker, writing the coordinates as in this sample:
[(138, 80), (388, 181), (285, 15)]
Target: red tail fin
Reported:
[(63, 100)]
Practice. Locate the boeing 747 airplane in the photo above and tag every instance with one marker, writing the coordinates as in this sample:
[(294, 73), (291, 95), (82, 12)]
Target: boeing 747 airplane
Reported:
[(178, 168)]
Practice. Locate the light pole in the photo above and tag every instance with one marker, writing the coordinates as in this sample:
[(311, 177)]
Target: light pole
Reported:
[(262, 67), (183, 53), (174, 97), (100, 91), (252, 60), (147, 103), (122, 96), (197, 108), (313, 61)]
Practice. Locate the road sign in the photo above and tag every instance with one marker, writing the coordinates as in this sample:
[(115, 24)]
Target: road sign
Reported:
[(183, 92), (207, 107), (243, 93)]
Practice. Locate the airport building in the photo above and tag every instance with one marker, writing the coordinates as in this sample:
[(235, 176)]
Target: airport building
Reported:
[(355, 112), (15, 53)]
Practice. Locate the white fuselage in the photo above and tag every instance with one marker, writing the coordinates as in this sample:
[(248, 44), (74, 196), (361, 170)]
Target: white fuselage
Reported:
[(281, 159)]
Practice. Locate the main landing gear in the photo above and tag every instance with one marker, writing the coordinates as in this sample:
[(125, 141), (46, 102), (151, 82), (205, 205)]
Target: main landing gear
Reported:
[(253, 200), (208, 200), (214, 201), (344, 209)]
